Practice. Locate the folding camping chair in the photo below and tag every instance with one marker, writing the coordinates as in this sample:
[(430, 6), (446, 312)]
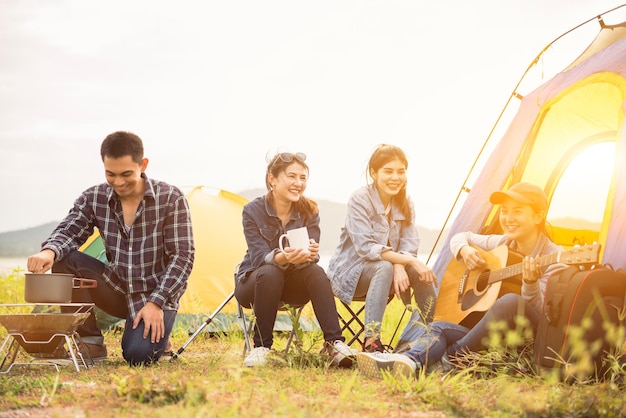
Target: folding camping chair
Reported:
[(248, 324), (248, 327), (354, 326)]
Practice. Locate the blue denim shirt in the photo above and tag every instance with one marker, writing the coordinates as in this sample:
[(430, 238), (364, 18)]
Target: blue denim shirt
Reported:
[(262, 228), (366, 234)]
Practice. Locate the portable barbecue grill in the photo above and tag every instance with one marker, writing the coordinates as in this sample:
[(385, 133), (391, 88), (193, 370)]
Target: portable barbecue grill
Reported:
[(43, 334)]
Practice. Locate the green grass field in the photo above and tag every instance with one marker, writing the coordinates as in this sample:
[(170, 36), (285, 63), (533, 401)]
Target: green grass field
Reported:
[(208, 380)]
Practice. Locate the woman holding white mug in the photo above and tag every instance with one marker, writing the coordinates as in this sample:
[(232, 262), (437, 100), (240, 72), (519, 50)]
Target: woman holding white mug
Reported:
[(269, 275)]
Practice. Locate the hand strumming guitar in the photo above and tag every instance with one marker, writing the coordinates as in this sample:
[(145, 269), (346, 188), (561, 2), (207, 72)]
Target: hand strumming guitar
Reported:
[(472, 258)]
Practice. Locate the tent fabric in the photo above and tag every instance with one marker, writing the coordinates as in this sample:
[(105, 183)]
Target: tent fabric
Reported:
[(220, 245), (579, 107)]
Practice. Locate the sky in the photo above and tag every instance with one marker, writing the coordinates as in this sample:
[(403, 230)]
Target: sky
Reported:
[(215, 88)]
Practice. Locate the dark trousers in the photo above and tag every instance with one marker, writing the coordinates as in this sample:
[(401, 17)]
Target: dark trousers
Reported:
[(135, 349), (266, 288)]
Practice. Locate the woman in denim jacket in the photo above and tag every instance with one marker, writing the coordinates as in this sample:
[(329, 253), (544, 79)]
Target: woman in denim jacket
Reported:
[(269, 276), (377, 253)]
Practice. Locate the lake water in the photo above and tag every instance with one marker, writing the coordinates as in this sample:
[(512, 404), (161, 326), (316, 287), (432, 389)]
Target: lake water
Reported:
[(7, 265)]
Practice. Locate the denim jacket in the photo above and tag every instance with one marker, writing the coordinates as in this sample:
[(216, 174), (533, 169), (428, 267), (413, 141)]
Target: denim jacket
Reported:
[(262, 228), (367, 233)]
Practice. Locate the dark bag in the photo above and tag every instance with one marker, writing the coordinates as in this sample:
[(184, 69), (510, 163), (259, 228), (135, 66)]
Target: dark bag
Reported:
[(581, 313)]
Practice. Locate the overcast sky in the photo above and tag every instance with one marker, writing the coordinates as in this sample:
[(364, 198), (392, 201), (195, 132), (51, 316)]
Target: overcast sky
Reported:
[(214, 87)]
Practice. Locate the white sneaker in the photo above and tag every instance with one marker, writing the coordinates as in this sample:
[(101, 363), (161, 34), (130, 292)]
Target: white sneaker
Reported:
[(256, 357), (342, 355), (374, 364)]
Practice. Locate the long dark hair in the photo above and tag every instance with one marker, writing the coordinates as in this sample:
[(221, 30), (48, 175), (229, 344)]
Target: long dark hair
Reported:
[(383, 154), (279, 163)]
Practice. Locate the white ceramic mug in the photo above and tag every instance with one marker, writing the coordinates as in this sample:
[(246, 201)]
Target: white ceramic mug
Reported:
[(298, 238)]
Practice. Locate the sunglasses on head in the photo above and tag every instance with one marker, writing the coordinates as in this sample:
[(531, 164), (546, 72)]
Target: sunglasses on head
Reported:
[(288, 157)]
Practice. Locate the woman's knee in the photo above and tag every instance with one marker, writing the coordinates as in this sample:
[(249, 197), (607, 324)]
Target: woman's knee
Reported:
[(382, 271), (268, 276), (507, 306)]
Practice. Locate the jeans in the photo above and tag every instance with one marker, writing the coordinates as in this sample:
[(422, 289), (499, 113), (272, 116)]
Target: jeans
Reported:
[(375, 284), (135, 349), (441, 337), (268, 287)]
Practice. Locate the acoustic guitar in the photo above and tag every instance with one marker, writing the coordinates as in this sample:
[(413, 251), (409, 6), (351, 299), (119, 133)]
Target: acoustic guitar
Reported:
[(463, 292)]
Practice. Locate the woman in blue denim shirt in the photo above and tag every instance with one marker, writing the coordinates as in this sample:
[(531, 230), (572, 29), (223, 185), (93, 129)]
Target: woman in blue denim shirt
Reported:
[(377, 253), (269, 276)]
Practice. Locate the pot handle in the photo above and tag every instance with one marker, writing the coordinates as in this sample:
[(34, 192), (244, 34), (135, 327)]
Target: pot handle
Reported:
[(85, 283)]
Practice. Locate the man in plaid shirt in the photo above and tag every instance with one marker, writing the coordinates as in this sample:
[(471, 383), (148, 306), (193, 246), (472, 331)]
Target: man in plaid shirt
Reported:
[(146, 228)]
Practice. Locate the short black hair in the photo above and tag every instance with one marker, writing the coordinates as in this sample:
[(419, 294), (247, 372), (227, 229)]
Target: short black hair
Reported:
[(122, 143)]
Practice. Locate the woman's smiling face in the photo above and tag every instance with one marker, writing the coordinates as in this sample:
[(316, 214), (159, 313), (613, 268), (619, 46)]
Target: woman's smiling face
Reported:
[(390, 179), (290, 184), (519, 221)]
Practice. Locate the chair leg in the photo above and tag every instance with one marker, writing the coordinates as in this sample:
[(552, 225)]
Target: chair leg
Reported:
[(294, 333), (353, 325), (247, 330)]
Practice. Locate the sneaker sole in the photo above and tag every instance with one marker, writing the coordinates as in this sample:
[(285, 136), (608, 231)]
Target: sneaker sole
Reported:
[(402, 370), (374, 368)]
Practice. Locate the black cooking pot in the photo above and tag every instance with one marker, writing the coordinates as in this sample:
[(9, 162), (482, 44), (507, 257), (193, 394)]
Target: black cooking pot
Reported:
[(53, 287)]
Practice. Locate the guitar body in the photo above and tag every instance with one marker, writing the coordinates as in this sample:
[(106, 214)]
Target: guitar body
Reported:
[(465, 295), (463, 292)]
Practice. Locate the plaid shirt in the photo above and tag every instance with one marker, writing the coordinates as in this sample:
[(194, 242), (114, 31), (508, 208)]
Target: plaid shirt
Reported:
[(151, 262)]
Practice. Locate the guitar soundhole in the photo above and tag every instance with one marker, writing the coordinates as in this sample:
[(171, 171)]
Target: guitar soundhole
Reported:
[(482, 281)]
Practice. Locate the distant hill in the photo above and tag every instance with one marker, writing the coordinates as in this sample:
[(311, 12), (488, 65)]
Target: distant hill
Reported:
[(27, 241), (24, 242)]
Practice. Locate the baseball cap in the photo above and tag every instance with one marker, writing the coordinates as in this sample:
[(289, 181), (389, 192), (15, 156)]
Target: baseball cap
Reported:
[(525, 193)]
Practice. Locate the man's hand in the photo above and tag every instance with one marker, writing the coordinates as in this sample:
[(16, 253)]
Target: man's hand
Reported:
[(152, 316), (40, 262)]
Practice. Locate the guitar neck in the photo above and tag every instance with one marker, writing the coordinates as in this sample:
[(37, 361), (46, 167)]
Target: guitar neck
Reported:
[(516, 269)]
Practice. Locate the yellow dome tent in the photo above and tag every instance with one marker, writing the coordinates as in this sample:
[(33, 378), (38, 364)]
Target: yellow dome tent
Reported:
[(220, 245)]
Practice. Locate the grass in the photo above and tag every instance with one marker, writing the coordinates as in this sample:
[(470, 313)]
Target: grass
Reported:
[(208, 380)]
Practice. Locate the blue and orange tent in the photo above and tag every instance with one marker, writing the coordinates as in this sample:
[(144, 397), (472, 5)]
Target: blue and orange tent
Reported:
[(575, 119), (566, 118)]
